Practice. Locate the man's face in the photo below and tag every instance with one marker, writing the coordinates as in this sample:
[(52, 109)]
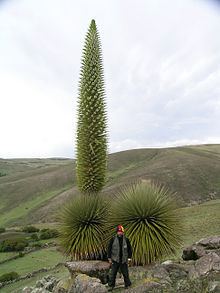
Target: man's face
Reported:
[(120, 233)]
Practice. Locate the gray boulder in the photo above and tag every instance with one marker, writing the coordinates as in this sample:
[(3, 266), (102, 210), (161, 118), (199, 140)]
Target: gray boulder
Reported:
[(63, 285), (84, 283), (27, 289), (201, 248), (150, 286), (212, 242), (176, 271), (40, 283), (193, 252), (39, 290), (161, 274), (93, 268), (207, 263), (45, 285), (50, 285)]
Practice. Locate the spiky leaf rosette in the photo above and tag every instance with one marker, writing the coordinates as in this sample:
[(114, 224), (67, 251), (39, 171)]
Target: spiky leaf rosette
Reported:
[(91, 129), (83, 227), (148, 213)]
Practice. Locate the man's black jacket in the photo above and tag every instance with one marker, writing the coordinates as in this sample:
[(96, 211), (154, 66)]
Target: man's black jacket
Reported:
[(129, 249)]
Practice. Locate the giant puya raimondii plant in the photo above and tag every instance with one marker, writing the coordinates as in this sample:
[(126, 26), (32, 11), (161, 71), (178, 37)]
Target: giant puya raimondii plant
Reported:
[(83, 223), (91, 129)]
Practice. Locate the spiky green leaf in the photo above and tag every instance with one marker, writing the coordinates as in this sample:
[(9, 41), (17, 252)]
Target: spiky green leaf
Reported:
[(84, 227)]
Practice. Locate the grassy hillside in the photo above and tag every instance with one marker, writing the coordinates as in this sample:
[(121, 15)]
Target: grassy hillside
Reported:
[(32, 190), (199, 221)]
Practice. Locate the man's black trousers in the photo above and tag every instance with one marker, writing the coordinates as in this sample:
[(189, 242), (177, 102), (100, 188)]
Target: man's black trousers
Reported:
[(124, 270)]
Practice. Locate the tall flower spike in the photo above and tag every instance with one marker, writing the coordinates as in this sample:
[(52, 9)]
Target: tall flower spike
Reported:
[(92, 121)]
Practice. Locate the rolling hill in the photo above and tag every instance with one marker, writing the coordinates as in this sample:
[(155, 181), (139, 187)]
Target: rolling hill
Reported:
[(32, 190)]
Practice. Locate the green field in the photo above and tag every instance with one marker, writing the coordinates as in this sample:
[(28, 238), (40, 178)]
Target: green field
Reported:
[(36, 260), (201, 221), (6, 255), (33, 189), (17, 287)]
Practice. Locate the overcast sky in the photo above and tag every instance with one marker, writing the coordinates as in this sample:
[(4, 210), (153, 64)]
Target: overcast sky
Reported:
[(161, 64)]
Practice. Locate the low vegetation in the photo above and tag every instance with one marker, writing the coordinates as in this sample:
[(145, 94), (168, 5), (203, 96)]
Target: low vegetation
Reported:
[(2, 174), (2, 230), (17, 244), (30, 229), (9, 277), (48, 233)]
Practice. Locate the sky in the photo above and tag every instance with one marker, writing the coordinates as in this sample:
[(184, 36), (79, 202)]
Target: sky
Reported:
[(161, 65)]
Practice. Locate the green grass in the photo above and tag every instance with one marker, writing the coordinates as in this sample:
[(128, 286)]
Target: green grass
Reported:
[(201, 221), (36, 260), (23, 209), (7, 255), (28, 187), (192, 172), (18, 166), (119, 172), (34, 189), (13, 234), (17, 287)]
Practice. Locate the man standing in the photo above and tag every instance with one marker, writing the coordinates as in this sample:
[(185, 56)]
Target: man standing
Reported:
[(119, 253)]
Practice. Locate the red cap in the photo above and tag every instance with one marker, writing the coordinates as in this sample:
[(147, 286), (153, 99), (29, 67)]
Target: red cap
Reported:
[(120, 228)]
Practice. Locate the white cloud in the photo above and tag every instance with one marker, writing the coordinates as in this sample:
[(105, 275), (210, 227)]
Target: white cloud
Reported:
[(162, 72)]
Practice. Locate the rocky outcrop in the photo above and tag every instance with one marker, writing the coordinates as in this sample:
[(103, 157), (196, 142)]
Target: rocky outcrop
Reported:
[(193, 252), (201, 248), (200, 273), (210, 243), (45, 285), (93, 268), (81, 283), (84, 283)]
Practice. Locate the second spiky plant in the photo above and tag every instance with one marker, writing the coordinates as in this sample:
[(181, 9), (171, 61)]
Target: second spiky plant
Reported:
[(150, 217), (91, 128)]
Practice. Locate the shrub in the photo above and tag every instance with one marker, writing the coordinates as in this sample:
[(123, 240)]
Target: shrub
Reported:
[(9, 277), (48, 233), (17, 244), (2, 174), (2, 230), (36, 244), (84, 227), (21, 254), (34, 237), (30, 229), (148, 213)]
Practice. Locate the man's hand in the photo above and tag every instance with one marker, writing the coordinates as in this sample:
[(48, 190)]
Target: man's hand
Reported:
[(110, 261), (129, 260)]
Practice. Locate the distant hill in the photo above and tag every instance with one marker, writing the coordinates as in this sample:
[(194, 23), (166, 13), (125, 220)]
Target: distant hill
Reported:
[(32, 190)]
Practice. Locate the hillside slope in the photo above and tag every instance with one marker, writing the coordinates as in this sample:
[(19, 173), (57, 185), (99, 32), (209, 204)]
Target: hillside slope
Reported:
[(33, 189)]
